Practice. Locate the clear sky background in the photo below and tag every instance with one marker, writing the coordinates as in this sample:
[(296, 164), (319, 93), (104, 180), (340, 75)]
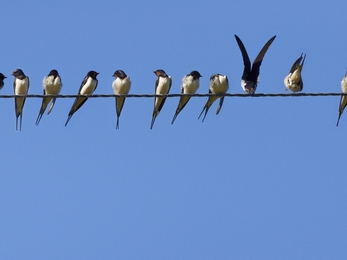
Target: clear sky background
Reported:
[(265, 179)]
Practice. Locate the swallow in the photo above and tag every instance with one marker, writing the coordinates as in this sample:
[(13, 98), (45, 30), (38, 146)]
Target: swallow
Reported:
[(51, 86), (343, 100), (294, 81), (121, 85), (20, 86), (88, 86), (190, 84), (162, 86), (250, 76), (219, 84), (2, 77)]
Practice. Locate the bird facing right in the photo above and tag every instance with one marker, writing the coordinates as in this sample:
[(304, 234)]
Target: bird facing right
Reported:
[(88, 86), (293, 81), (190, 84), (343, 99), (219, 84), (121, 85)]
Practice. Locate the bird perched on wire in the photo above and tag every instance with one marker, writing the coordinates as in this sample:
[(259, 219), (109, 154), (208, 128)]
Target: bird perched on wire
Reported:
[(88, 86), (121, 85), (20, 86), (162, 86), (190, 84), (293, 81), (219, 84), (2, 77), (51, 86), (343, 100), (250, 76)]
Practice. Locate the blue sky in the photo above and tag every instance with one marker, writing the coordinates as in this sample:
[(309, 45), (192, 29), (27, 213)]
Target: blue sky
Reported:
[(265, 179)]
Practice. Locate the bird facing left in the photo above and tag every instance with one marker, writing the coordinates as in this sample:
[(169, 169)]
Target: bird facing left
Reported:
[(2, 77), (162, 86)]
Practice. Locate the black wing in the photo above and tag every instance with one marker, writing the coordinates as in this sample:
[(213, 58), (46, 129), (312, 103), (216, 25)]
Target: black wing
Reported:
[(246, 61), (296, 64), (259, 58)]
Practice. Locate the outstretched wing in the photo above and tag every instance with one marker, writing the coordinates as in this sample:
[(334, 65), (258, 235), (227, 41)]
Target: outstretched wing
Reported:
[(246, 61), (259, 58)]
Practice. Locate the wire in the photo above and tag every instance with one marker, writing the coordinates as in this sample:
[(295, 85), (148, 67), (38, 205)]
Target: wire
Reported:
[(179, 95)]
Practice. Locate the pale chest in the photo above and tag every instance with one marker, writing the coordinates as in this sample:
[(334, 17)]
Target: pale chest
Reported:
[(89, 86)]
